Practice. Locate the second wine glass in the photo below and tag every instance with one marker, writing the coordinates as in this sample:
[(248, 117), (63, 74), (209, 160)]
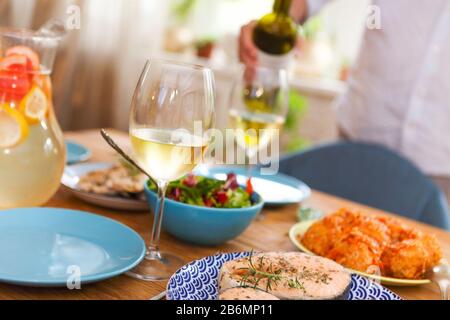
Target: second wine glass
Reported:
[(258, 109), (171, 113)]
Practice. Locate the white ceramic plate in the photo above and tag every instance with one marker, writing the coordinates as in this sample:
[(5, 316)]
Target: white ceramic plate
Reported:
[(72, 175), (300, 229), (276, 190)]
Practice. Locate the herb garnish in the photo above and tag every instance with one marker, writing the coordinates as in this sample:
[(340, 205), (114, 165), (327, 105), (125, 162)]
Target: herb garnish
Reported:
[(254, 276), (259, 270), (295, 284)]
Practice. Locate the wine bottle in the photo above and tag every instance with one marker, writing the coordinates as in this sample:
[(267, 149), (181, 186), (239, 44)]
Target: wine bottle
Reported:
[(275, 35)]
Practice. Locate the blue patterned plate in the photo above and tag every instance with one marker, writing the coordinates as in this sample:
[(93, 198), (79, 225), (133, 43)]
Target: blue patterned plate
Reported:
[(198, 281)]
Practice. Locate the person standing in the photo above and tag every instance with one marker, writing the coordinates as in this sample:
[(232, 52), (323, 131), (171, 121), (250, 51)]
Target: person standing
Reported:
[(398, 89)]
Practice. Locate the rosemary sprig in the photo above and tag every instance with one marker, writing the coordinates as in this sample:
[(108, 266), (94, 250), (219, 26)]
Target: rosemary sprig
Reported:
[(255, 275), (295, 284)]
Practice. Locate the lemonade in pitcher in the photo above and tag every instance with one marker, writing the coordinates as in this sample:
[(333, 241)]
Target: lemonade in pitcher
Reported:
[(32, 149)]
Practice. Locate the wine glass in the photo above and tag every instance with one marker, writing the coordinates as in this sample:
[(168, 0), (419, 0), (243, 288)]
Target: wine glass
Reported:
[(171, 113), (258, 109)]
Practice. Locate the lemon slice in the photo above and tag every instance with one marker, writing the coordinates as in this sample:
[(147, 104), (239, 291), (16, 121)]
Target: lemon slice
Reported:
[(13, 127), (44, 83), (34, 105)]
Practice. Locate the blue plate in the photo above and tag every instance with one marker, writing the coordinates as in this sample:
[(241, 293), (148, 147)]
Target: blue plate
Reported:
[(278, 189), (46, 246), (198, 281), (76, 152)]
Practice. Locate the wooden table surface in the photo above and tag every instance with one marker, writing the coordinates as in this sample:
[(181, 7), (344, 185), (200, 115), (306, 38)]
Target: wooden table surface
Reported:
[(265, 235)]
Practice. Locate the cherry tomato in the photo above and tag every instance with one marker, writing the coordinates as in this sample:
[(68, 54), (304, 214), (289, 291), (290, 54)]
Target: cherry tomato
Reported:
[(249, 186), (208, 202), (221, 197)]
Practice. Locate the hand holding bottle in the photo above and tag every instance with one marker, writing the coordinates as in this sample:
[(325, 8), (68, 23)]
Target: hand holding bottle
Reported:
[(270, 40), (248, 53)]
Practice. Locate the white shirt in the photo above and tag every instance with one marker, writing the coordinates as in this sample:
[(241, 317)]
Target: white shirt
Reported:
[(399, 89)]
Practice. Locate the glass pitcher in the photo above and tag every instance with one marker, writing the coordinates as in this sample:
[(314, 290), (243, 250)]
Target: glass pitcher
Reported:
[(32, 149)]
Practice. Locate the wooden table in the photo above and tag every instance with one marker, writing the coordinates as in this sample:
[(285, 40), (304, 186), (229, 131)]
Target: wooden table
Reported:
[(267, 234)]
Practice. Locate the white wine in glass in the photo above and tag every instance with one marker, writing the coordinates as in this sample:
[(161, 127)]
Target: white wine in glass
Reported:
[(254, 130), (166, 155), (171, 113), (259, 104)]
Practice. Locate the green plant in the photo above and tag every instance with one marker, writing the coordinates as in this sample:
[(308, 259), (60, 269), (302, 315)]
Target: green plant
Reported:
[(311, 28), (298, 106), (181, 9), (203, 42)]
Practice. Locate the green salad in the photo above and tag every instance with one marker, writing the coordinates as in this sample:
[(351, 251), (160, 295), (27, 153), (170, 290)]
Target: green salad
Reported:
[(208, 192)]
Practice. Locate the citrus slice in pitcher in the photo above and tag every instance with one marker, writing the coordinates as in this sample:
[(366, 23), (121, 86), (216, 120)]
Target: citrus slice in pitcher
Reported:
[(14, 62), (14, 77), (28, 53), (43, 81), (34, 105), (13, 127)]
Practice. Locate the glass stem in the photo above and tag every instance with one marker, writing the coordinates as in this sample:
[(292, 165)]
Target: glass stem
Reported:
[(250, 156), (250, 170), (157, 217), (444, 285)]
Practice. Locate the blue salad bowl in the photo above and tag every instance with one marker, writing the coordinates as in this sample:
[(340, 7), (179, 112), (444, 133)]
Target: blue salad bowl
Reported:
[(202, 225)]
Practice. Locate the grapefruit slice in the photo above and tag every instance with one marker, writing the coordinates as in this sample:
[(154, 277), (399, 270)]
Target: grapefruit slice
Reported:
[(14, 79), (14, 62), (32, 56)]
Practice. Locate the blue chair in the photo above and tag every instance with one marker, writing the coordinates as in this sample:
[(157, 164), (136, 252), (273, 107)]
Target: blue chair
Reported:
[(372, 175)]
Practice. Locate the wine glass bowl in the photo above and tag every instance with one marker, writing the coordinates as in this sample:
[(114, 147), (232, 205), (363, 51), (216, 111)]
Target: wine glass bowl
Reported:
[(171, 113), (258, 107)]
